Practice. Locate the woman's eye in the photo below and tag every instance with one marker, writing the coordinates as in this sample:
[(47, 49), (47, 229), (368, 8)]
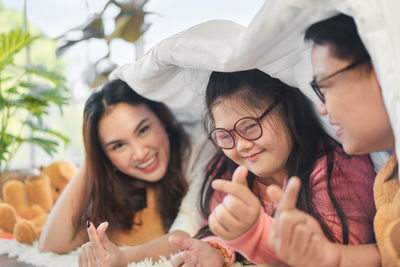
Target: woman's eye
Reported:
[(144, 129), (116, 146)]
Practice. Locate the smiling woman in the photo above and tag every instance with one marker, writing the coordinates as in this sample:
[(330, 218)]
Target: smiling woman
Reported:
[(134, 176), (140, 148)]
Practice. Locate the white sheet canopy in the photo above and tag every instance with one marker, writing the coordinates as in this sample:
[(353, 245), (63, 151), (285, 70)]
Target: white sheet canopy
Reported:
[(176, 70)]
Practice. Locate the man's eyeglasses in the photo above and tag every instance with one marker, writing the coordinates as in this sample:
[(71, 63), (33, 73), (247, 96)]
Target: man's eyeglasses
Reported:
[(248, 128), (314, 83)]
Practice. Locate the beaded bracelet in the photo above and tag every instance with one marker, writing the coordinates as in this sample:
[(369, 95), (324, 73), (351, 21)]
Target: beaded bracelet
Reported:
[(227, 257)]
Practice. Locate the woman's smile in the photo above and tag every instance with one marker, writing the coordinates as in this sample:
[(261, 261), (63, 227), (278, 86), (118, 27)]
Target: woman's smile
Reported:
[(149, 165)]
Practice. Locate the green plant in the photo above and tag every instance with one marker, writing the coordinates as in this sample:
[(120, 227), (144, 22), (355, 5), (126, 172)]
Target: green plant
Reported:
[(26, 95), (129, 25)]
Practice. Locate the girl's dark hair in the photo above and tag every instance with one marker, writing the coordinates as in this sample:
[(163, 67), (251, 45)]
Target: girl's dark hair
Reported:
[(112, 195), (310, 142)]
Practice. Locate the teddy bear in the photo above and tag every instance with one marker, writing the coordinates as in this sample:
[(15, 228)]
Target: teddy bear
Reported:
[(387, 218), (60, 172), (30, 200), (27, 203)]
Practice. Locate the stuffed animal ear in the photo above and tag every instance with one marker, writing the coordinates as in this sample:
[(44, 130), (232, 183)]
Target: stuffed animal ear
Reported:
[(62, 169), (67, 170)]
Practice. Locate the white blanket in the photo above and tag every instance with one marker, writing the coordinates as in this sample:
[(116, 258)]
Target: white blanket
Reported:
[(176, 70)]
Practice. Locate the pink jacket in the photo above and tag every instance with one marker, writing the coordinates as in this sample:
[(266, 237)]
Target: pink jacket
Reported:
[(352, 185)]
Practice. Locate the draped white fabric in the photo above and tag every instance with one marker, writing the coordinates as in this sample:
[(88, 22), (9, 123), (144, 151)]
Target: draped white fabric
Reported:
[(176, 70)]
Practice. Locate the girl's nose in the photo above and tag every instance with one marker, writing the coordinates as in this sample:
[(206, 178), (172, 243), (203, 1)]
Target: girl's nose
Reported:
[(242, 144)]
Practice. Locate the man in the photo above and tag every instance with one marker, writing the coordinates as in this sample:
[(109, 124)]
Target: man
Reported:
[(349, 92)]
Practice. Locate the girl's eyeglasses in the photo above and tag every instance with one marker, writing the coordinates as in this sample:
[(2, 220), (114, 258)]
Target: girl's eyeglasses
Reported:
[(248, 128)]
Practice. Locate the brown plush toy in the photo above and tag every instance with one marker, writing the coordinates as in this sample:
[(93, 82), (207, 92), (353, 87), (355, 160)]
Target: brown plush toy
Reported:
[(25, 207), (60, 172), (387, 219), (27, 204)]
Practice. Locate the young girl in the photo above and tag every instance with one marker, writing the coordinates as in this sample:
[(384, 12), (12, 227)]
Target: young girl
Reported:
[(271, 129), (137, 169)]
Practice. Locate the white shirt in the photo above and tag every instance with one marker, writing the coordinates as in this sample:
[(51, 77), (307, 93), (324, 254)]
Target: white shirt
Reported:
[(189, 218)]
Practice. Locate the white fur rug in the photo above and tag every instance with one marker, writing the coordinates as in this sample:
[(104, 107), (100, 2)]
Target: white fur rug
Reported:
[(31, 255)]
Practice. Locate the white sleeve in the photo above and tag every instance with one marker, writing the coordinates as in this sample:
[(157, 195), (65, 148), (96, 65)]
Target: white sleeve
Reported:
[(189, 218)]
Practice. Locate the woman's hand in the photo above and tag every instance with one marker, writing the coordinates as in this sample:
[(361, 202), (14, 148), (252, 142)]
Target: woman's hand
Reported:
[(196, 253), (100, 251), (295, 235), (239, 210)]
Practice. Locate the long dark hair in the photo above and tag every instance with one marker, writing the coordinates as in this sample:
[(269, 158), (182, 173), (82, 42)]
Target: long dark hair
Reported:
[(112, 195), (309, 140)]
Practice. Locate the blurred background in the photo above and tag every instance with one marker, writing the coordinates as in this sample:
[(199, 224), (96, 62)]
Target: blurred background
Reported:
[(75, 44)]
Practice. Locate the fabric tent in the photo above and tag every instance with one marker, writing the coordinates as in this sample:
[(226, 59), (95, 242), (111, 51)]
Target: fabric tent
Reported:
[(176, 70)]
